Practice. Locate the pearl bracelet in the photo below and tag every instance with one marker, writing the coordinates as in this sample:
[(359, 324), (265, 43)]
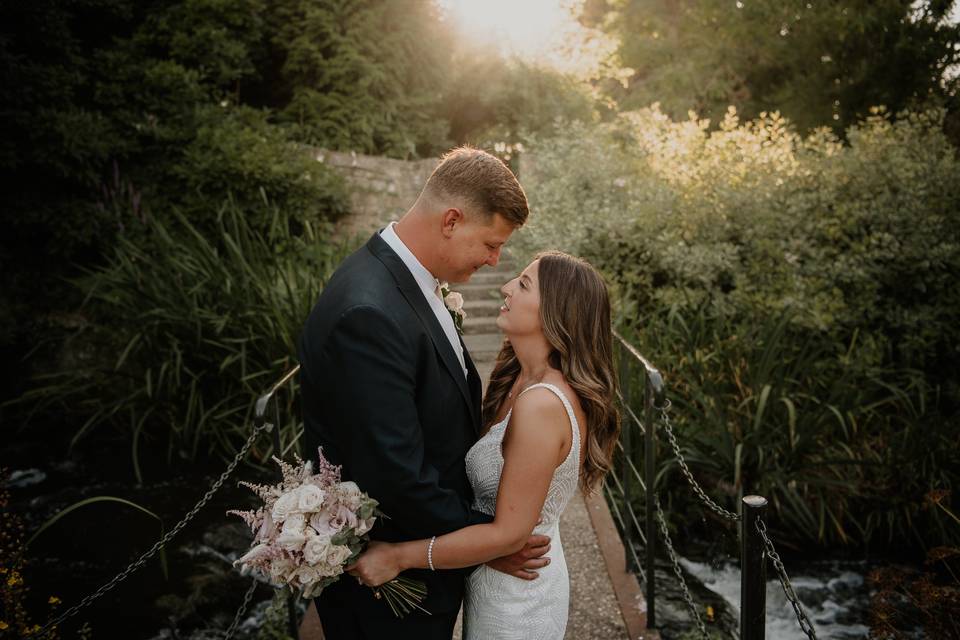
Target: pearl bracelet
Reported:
[(430, 553)]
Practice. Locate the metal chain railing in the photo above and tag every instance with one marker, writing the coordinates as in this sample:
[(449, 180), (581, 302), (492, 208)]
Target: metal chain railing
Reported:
[(663, 407), (661, 519), (805, 625), (266, 426), (665, 419), (242, 610)]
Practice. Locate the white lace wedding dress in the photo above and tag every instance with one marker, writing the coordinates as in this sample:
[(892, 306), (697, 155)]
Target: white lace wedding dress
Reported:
[(498, 606)]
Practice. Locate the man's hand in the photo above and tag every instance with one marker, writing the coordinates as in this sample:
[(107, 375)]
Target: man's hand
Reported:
[(523, 563)]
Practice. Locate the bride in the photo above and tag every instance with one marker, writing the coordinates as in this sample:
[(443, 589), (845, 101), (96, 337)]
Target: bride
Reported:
[(551, 426)]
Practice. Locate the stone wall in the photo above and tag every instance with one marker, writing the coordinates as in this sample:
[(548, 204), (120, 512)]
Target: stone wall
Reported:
[(381, 189)]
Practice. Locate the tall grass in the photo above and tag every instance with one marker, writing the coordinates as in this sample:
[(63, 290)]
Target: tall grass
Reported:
[(845, 453), (194, 327)]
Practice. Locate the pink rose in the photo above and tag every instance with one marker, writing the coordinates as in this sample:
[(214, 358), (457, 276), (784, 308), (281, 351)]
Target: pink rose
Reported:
[(343, 517), (320, 522)]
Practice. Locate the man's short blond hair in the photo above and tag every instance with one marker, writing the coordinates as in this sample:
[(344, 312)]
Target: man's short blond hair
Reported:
[(481, 179)]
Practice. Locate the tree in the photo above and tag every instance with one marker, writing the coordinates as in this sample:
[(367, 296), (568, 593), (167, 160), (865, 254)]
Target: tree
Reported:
[(490, 98), (818, 63), (362, 76)]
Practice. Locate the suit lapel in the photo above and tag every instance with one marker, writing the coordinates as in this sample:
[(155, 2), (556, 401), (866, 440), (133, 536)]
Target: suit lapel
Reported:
[(414, 295), (475, 385)]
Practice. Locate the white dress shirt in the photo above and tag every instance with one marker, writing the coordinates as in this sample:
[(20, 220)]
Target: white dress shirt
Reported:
[(428, 285)]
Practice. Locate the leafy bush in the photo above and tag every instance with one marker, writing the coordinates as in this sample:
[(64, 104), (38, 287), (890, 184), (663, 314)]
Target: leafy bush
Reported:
[(237, 152), (798, 294), (196, 330)]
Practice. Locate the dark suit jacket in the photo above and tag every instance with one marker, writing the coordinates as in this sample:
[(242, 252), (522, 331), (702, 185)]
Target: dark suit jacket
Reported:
[(384, 394)]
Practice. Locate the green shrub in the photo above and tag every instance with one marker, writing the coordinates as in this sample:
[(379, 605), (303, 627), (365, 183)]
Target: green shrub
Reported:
[(193, 329), (797, 292), (237, 152)]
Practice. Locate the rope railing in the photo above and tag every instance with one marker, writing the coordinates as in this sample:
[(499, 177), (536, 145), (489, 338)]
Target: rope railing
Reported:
[(756, 545)]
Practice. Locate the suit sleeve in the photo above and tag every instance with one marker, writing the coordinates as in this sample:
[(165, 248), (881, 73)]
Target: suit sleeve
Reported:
[(373, 379)]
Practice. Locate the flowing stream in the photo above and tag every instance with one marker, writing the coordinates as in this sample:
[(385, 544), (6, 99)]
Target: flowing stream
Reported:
[(834, 595)]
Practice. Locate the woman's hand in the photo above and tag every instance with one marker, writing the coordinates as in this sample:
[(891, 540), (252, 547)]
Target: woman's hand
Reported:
[(379, 564)]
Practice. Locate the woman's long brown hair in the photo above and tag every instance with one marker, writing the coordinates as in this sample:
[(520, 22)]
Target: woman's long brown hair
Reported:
[(575, 315)]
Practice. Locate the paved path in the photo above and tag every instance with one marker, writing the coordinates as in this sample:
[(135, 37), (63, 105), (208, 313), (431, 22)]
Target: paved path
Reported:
[(595, 613)]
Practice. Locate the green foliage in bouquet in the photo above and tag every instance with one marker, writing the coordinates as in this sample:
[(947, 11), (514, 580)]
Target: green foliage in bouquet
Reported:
[(799, 295)]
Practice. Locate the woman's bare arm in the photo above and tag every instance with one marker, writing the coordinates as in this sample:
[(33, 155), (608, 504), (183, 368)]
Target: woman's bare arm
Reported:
[(532, 448)]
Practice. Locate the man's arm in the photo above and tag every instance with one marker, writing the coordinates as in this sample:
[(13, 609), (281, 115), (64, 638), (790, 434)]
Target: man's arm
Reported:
[(372, 378)]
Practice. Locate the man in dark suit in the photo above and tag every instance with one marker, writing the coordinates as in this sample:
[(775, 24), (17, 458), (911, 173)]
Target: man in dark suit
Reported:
[(391, 394)]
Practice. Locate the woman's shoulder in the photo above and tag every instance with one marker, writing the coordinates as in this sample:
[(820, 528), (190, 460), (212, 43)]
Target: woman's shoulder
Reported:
[(537, 419), (542, 402), (556, 379)]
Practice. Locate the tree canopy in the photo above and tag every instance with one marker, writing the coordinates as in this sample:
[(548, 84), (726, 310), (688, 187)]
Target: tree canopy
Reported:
[(817, 63)]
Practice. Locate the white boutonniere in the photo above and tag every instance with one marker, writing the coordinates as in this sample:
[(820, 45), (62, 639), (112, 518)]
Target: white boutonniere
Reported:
[(454, 302)]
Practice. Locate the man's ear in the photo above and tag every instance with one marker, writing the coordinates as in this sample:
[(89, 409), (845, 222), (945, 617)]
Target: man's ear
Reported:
[(451, 218)]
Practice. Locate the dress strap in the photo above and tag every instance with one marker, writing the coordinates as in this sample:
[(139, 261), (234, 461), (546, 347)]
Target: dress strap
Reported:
[(574, 425)]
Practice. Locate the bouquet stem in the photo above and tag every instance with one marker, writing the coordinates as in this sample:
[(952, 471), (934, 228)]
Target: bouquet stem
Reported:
[(402, 595)]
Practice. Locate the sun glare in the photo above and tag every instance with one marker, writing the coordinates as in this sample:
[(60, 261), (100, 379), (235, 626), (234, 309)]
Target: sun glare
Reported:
[(530, 29)]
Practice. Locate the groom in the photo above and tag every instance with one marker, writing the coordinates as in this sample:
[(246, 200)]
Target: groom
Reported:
[(390, 392)]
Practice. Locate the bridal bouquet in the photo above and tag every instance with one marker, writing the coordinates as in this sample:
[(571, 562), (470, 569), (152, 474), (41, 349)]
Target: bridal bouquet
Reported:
[(312, 525)]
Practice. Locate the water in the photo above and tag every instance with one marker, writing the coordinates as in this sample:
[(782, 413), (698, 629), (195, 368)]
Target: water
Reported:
[(834, 595), (200, 591)]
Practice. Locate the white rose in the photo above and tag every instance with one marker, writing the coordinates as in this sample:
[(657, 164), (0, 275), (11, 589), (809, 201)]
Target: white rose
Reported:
[(454, 301), (349, 488), (285, 505), (337, 555), (291, 541), (350, 494), (280, 568), (309, 497), (307, 575), (315, 549), (294, 523)]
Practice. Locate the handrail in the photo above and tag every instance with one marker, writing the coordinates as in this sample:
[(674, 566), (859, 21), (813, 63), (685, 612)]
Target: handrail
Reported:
[(260, 408), (654, 377), (654, 397)]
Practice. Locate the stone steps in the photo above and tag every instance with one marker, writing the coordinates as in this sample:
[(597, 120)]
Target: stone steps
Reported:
[(482, 308), (480, 290), (483, 347), (480, 324), (493, 278), (482, 300)]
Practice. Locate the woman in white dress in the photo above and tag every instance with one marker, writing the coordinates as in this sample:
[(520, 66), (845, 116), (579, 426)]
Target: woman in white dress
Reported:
[(551, 426)]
